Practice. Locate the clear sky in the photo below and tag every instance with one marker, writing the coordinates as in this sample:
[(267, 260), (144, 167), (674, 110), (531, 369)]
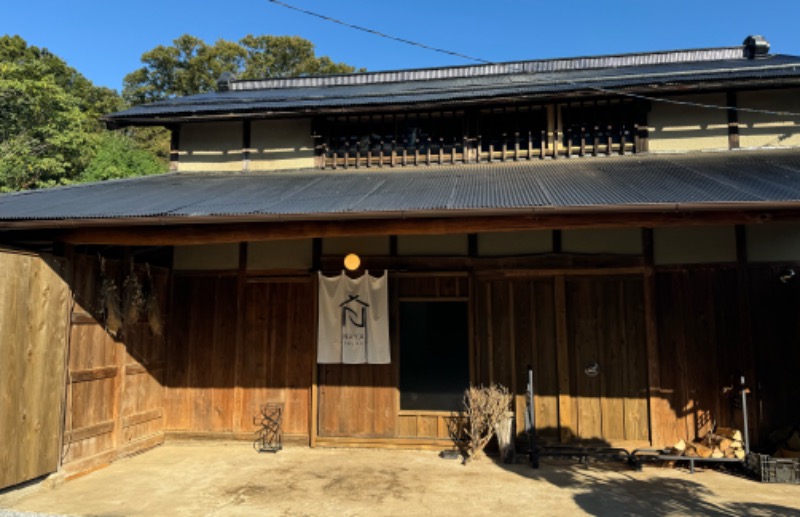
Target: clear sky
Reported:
[(104, 39)]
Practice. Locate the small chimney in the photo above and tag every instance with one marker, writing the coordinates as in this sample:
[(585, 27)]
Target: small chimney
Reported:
[(755, 47), (224, 81)]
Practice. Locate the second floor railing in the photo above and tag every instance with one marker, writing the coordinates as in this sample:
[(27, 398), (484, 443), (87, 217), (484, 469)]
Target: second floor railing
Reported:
[(573, 141)]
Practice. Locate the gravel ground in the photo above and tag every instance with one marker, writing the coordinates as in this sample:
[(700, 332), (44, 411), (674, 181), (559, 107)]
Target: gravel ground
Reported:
[(230, 479)]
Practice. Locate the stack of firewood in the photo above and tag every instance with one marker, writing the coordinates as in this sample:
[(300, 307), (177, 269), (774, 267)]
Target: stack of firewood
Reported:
[(722, 443)]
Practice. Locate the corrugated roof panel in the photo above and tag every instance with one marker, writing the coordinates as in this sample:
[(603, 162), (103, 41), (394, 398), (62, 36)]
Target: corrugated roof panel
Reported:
[(760, 177)]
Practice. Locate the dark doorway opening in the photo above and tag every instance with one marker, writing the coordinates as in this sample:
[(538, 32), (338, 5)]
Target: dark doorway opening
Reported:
[(434, 355)]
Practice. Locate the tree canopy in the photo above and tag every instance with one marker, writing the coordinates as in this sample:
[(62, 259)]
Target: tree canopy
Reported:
[(50, 133), (191, 66)]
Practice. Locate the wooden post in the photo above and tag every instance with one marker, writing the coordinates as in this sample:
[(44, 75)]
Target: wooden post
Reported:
[(659, 411), (543, 145), (745, 333), (583, 141), (569, 142), (428, 153), (174, 148), (313, 417), (565, 423), (733, 121), (246, 129), (238, 344)]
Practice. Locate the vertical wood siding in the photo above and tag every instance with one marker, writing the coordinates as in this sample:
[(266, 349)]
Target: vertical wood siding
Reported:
[(34, 304), (115, 403)]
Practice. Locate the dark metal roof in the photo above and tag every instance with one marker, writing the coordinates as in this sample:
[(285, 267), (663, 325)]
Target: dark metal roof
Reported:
[(747, 179), (446, 85)]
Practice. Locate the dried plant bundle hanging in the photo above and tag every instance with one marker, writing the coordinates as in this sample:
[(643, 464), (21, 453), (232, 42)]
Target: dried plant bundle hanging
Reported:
[(135, 301), (153, 306), (109, 301)]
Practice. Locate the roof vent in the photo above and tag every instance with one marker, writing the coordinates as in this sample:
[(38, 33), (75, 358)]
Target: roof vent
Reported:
[(225, 80), (755, 46)]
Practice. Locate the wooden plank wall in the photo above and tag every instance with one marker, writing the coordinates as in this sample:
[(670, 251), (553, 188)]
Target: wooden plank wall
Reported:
[(559, 325), (216, 386), (700, 350), (114, 385), (34, 305)]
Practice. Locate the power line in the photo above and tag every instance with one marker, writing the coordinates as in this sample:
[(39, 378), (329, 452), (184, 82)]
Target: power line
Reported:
[(521, 70)]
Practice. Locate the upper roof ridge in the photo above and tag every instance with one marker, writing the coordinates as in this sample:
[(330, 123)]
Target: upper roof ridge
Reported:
[(505, 68)]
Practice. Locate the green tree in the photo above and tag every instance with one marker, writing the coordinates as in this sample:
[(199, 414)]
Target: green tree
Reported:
[(49, 128), (116, 158), (190, 66)]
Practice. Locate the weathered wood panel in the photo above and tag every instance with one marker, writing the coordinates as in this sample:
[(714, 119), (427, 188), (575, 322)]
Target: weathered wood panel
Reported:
[(601, 320), (358, 400), (277, 352), (700, 350), (200, 356), (34, 305), (208, 391), (115, 396)]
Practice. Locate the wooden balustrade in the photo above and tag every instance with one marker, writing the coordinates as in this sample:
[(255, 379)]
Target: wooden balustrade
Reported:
[(571, 142)]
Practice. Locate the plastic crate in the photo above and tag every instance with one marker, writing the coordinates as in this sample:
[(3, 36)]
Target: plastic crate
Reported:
[(774, 470)]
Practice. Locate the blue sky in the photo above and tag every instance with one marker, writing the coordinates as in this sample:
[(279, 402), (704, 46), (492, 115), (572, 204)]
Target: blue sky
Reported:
[(104, 39)]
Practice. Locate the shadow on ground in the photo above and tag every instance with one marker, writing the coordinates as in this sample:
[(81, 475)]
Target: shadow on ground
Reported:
[(630, 493)]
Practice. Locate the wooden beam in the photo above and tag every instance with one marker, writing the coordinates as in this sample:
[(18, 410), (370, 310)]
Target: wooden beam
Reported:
[(93, 374), (188, 234), (547, 262)]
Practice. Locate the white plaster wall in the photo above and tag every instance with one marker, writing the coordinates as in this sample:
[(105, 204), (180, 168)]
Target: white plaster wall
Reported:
[(211, 146), (509, 244), (433, 245), (623, 241), (774, 242), (679, 128), (367, 246), (281, 144), (284, 254), (206, 257), (694, 245), (758, 129)]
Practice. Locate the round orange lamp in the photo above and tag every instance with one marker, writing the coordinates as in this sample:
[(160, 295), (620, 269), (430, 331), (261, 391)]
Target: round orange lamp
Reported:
[(352, 262)]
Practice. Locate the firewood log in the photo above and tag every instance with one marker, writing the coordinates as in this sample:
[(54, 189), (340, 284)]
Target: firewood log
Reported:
[(730, 433)]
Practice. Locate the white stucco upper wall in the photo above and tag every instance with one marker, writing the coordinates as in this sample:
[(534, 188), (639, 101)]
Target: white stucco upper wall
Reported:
[(210, 146), (678, 128), (769, 130)]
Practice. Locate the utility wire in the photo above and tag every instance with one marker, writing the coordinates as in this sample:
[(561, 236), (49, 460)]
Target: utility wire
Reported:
[(521, 70)]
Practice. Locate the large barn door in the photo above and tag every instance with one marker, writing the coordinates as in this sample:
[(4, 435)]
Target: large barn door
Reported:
[(607, 361), (34, 300)]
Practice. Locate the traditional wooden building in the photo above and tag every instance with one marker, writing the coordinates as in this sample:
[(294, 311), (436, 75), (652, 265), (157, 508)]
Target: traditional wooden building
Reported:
[(628, 225)]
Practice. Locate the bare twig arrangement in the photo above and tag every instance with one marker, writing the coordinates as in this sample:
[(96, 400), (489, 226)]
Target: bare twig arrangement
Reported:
[(134, 297), (485, 408), (153, 308), (109, 302)]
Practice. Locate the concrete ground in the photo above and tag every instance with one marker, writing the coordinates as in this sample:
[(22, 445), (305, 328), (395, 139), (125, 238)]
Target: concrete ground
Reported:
[(227, 479)]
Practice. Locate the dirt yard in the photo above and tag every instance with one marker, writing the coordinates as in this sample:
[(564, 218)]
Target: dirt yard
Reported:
[(232, 479)]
